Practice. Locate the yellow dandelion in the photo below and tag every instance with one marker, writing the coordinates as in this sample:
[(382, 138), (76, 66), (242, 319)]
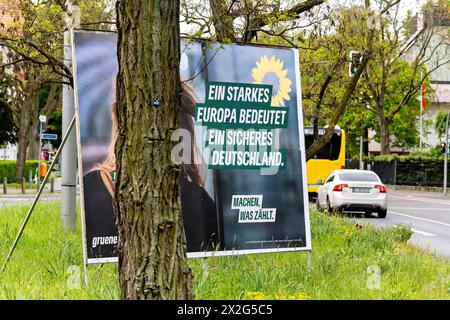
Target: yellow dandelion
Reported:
[(273, 67), (255, 295)]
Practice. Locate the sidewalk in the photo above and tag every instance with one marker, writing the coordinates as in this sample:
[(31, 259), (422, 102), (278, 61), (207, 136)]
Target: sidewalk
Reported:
[(17, 192), (418, 193)]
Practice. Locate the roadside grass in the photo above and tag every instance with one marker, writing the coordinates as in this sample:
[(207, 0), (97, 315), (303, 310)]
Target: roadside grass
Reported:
[(47, 264), (19, 185)]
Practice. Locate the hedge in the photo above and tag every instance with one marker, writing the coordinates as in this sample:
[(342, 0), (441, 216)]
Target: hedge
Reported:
[(415, 170), (418, 159), (8, 169)]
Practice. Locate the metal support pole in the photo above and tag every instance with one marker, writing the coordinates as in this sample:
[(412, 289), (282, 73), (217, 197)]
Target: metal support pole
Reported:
[(69, 155), (420, 119), (309, 261), (205, 267), (395, 175), (361, 163), (446, 155), (41, 188), (420, 131), (40, 154)]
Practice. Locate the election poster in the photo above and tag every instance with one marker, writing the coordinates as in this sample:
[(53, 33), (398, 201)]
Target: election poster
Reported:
[(243, 183)]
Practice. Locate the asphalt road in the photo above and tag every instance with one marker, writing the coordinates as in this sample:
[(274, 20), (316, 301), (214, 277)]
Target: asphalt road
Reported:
[(427, 213), (26, 198)]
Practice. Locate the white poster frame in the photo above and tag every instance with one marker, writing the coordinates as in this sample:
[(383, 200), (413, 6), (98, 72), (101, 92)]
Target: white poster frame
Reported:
[(205, 254)]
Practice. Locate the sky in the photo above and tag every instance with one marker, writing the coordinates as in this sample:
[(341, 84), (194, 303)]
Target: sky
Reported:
[(405, 5)]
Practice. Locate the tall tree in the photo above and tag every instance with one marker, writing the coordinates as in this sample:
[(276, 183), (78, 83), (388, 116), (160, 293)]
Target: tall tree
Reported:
[(392, 82), (152, 245), (287, 23), (328, 89), (31, 41), (245, 20)]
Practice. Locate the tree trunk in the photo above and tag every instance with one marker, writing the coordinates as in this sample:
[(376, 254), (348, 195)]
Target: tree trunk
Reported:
[(152, 245), (22, 144), (222, 20), (28, 146), (32, 107), (385, 135), (366, 142)]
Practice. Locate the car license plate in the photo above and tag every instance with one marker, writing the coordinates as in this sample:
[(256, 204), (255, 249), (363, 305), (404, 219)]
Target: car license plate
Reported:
[(361, 190)]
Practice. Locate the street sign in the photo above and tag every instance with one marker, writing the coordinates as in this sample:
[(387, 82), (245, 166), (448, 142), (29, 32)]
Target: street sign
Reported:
[(43, 118), (49, 136)]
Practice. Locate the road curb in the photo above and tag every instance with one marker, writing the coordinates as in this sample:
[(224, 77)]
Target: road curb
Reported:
[(415, 188), (27, 195)]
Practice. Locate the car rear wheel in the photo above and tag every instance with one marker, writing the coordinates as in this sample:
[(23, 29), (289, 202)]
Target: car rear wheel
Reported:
[(382, 213)]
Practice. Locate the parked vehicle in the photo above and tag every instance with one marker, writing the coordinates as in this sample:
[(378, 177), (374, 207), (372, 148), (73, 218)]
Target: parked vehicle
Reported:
[(330, 157), (353, 190)]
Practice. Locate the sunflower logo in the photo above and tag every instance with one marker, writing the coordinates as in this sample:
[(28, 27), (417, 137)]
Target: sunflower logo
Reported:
[(270, 71)]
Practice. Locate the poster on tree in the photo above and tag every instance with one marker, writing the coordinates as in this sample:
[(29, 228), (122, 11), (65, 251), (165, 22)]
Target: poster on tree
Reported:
[(241, 147)]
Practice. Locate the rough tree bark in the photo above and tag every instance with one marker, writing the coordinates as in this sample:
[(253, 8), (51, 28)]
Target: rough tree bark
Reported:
[(22, 144), (384, 134), (32, 107), (222, 20), (27, 124), (152, 245), (223, 14), (27, 120)]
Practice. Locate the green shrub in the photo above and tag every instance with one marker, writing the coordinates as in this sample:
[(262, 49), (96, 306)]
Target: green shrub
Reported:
[(413, 158), (400, 233), (8, 169)]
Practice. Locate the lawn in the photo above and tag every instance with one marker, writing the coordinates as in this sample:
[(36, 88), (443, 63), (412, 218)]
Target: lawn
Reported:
[(346, 257)]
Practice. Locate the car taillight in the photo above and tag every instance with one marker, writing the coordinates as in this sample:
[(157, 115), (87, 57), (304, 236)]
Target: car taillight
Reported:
[(381, 187), (339, 187)]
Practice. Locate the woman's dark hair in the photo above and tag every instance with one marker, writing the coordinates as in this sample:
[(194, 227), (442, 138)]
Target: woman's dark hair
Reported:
[(191, 170)]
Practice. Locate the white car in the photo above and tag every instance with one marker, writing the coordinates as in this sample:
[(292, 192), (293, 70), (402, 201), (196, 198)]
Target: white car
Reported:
[(353, 190)]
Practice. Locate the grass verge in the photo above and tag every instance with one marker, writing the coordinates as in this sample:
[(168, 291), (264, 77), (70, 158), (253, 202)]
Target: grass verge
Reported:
[(348, 262)]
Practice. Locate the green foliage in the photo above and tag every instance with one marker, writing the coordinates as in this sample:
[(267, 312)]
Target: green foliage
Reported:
[(8, 169), (55, 126), (413, 158), (8, 130), (48, 258), (400, 233), (327, 59), (34, 60), (439, 122), (435, 152)]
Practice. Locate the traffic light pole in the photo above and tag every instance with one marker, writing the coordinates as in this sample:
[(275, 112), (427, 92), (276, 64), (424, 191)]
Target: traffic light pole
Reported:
[(69, 153), (361, 163), (446, 155)]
